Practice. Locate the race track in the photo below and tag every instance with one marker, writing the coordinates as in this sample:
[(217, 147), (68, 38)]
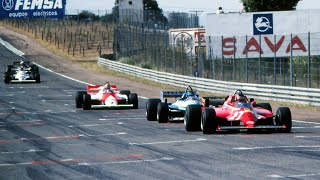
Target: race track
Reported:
[(43, 136)]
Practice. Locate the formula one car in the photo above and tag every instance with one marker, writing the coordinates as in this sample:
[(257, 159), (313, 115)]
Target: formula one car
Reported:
[(21, 72), (237, 113), (161, 110), (105, 96)]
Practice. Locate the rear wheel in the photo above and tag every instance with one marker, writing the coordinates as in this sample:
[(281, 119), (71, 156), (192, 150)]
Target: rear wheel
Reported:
[(9, 68), (151, 109), (34, 68), (192, 118), (86, 102), (209, 123), (7, 77), (37, 77), (283, 117), (133, 99), (162, 112), (79, 98), (126, 92)]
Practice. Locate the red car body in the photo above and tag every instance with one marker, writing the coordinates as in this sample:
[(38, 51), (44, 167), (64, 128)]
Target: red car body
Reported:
[(234, 115), (105, 96)]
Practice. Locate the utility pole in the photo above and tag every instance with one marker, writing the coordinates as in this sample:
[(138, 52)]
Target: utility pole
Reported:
[(197, 18)]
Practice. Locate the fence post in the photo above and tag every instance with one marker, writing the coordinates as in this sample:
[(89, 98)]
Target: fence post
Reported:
[(259, 76), (222, 60), (247, 61), (291, 62), (234, 59), (275, 61), (309, 62)]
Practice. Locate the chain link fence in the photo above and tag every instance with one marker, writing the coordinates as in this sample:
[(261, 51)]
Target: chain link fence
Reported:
[(154, 49)]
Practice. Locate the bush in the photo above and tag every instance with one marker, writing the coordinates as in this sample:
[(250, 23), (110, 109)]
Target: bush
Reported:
[(146, 66), (107, 56)]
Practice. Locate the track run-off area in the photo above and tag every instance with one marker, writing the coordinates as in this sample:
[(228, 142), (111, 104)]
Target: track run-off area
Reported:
[(43, 136)]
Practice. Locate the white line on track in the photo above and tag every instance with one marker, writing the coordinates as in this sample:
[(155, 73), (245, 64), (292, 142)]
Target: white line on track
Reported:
[(117, 118), (169, 142), (93, 125), (19, 152), (275, 147), (126, 162), (305, 122), (91, 135), (311, 127), (307, 136), (293, 176)]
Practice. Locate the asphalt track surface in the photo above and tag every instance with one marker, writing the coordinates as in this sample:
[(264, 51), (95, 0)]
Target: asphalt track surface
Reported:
[(43, 136)]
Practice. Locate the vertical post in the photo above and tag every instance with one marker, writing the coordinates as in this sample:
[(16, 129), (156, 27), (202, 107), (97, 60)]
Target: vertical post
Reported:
[(275, 61), (291, 61), (309, 62), (222, 60), (247, 62), (234, 60), (259, 79)]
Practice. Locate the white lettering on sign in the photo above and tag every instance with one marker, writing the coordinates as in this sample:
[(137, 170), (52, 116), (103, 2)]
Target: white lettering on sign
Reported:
[(38, 4)]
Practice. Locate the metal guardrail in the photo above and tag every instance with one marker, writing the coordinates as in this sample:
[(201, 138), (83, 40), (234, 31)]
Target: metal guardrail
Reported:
[(297, 95)]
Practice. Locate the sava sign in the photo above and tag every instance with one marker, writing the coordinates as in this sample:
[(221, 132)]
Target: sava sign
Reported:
[(32, 8), (266, 34), (264, 46)]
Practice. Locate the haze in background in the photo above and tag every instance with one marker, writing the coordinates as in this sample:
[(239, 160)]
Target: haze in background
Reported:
[(208, 6)]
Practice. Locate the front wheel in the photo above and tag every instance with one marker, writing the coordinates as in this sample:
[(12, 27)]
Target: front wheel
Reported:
[(151, 109), (86, 102), (192, 118), (79, 98), (283, 117), (209, 123), (162, 112), (133, 99)]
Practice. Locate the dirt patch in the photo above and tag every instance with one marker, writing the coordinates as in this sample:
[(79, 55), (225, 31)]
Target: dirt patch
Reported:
[(43, 56)]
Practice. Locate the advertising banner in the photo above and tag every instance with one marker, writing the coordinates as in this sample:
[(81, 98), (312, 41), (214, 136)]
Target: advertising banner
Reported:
[(266, 34), (32, 9)]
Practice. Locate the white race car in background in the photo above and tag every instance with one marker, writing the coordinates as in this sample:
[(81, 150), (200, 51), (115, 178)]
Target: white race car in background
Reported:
[(21, 72)]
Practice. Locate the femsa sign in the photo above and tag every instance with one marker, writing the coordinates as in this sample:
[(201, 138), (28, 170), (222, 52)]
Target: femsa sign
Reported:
[(32, 8)]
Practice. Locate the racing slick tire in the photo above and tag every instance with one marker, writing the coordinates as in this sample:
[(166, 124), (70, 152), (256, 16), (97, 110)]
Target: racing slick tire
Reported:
[(37, 77), (126, 92), (192, 118), (209, 124), (283, 117), (79, 98), (34, 68), (86, 102), (268, 107), (151, 109), (162, 112), (9, 68), (133, 99), (6, 77)]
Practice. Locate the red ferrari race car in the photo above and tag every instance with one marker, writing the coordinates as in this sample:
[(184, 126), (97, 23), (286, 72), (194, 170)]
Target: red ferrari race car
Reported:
[(105, 96), (236, 113)]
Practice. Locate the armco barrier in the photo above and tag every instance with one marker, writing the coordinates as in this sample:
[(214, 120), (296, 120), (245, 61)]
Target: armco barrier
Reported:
[(296, 95)]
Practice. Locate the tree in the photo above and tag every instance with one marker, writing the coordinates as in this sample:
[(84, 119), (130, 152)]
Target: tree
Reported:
[(269, 5)]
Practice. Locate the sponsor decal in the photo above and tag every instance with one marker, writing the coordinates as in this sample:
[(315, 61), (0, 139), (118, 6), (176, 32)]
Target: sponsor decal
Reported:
[(32, 8), (262, 24)]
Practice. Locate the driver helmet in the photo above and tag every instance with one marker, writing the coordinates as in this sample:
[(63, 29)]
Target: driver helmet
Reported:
[(240, 98), (21, 63), (187, 94)]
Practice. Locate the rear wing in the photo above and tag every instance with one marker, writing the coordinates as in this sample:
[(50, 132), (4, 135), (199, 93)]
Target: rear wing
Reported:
[(93, 89), (172, 94), (213, 100), (97, 88)]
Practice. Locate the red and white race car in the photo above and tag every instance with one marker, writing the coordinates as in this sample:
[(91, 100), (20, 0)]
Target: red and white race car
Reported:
[(105, 96), (236, 112)]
